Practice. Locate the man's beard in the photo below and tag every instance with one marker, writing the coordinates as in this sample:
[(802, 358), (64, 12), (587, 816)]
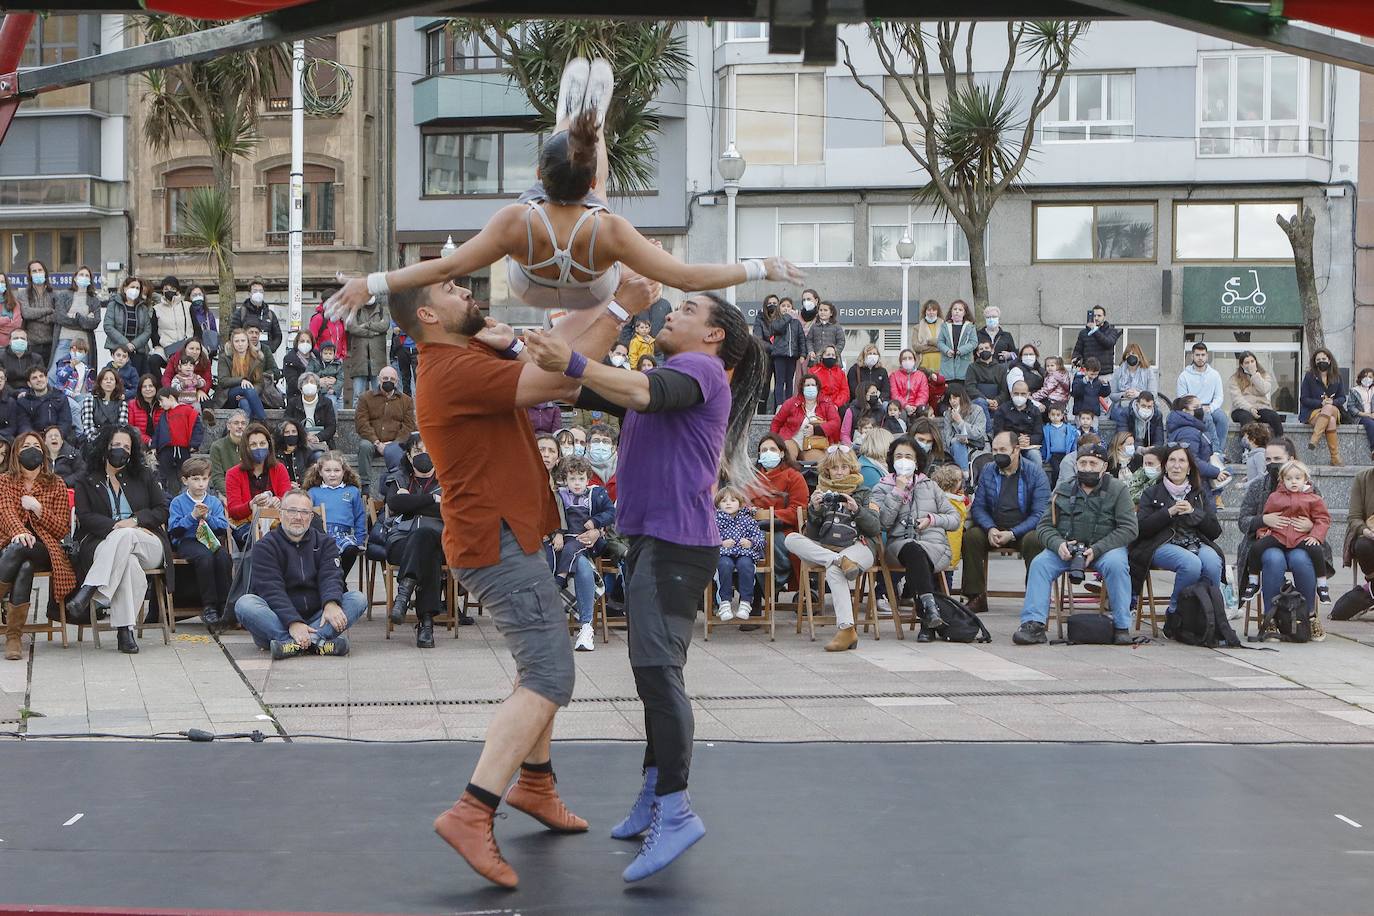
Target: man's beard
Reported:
[(472, 323)]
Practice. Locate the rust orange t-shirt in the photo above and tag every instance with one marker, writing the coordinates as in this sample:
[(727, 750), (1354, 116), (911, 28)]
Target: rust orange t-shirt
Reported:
[(484, 452)]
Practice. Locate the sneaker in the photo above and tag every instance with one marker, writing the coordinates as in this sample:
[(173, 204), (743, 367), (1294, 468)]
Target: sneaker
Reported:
[(600, 89), (586, 640), (723, 613), (1250, 590), (1030, 633), (288, 648), (745, 609), (572, 89), (1318, 631), (1324, 594), (338, 646)]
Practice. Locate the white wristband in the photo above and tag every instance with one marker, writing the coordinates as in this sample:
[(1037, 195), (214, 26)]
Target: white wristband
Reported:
[(754, 270), (616, 309), (376, 283)]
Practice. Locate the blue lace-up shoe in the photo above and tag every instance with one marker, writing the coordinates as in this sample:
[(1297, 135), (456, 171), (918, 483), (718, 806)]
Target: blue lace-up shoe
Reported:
[(637, 821), (674, 828)]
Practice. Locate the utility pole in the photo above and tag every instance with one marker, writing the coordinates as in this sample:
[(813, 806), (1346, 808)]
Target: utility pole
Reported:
[(297, 215)]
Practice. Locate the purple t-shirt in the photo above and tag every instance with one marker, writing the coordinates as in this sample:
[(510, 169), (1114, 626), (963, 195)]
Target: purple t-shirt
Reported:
[(669, 461)]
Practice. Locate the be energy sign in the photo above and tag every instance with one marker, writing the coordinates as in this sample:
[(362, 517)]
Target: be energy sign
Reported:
[(1241, 296)]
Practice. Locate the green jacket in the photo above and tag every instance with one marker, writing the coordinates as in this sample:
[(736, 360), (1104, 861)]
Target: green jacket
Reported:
[(224, 454), (1104, 519)]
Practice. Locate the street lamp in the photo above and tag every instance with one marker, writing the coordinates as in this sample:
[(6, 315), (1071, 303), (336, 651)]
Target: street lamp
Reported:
[(906, 250), (731, 165), (448, 249)]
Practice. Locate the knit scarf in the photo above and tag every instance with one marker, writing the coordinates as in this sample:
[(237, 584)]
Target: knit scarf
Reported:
[(845, 485), (1177, 490)]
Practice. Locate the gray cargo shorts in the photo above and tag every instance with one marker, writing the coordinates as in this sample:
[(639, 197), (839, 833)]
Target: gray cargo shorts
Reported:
[(521, 597)]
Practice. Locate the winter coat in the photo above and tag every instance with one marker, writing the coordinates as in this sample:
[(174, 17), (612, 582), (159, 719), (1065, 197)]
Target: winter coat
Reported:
[(296, 579), (172, 325), (783, 489), (38, 307), (910, 389), (793, 411), (1296, 505), (1097, 342), (238, 501), (17, 367), (169, 371), (182, 525), (1157, 527), (545, 418), (64, 316), (143, 419), (1251, 520), (179, 428), (900, 509), (973, 426), (72, 378), (782, 335), (325, 417), (38, 412), (50, 527), (10, 321), (740, 527), (1002, 342), (1148, 433), (1104, 519), (325, 330), (1055, 390), (1312, 390), (1361, 511), (1139, 378), (986, 380), (1088, 394), (1033, 376), (834, 385), (68, 464), (1032, 495), (384, 419), (295, 365), (206, 326), (11, 418), (224, 454), (860, 377), (1251, 392), (957, 366), (260, 317), (114, 326), (1022, 421), (367, 342), (824, 334), (227, 381), (1187, 429), (640, 348), (95, 519)]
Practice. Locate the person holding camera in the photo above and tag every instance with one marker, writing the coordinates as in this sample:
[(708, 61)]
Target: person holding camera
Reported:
[(1097, 339), (1090, 523)]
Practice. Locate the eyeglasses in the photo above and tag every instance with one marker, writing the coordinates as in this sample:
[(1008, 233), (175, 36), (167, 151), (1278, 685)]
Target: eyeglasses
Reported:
[(838, 448), (297, 512)]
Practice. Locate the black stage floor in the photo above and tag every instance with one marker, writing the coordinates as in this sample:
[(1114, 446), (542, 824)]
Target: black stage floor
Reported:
[(792, 829)]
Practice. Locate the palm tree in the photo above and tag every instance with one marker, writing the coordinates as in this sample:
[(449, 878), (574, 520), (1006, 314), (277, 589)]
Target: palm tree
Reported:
[(207, 227), (643, 55), (217, 101)]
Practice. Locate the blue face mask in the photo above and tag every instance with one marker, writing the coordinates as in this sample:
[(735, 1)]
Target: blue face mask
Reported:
[(19, 346), (259, 455), (769, 460), (600, 452), (579, 449)]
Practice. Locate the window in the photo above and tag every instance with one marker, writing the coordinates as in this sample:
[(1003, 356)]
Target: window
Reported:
[(479, 162), (180, 185), (62, 250), (1146, 336), (53, 41), (815, 236), (317, 205), (1258, 104), (1094, 232), (779, 118), (937, 241), (1092, 107), (446, 53), (895, 97), (1232, 231), (741, 31)]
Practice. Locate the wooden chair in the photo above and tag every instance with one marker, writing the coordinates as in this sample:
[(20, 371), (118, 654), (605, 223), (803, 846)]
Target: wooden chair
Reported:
[(1064, 593), (1254, 608), (368, 568), (157, 582), (1147, 599), (450, 582), (763, 611), (894, 598), (605, 567), (987, 561), (45, 625), (811, 609)]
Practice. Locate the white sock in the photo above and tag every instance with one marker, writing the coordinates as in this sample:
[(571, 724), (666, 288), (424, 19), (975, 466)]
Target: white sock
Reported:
[(1321, 582), (1254, 580)]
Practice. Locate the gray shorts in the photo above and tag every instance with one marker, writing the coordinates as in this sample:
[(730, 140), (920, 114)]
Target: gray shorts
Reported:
[(520, 595)]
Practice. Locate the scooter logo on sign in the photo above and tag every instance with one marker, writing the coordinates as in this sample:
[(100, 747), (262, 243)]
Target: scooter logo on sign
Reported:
[(1251, 305)]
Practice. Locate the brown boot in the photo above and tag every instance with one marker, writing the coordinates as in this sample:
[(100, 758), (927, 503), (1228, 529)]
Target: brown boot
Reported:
[(467, 828), (978, 604), (845, 638), (536, 794), (14, 631), (1319, 425), (1333, 445)]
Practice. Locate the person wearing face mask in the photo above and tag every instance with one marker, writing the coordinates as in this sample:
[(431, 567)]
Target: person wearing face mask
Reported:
[(785, 339), (75, 376), (1360, 405), (1025, 366), (601, 456), (301, 358), (808, 422), (76, 315), (385, 419), (11, 312), (34, 518), (39, 306), (806, 316), (572, 442), (205, 321), (1322, 398), (834, 385), (869, 370), (909, 385), (121, 529), (780, 486), (258, 480), (867, 402), (1132, 378), (1150, 470), (994, 335), (291, 451), (172, 324), (1178, 530), (1010, 497), (916, 519), (367, 351), (985, 379), (255, 311), (926, 340), (1092, 512), (1144, 421), (957, 340), (414, 542), (1187, 425), (1023, 419), (129, 323)]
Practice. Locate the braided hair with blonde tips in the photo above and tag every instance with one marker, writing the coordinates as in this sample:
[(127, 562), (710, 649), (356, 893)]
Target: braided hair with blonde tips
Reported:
[(745, 357)]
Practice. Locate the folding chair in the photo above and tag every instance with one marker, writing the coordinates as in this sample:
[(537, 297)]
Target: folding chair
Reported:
[(368, 566), (763, 611), (894, 596), (605, 568), (1254, 607), (450, 582), (157, 584)]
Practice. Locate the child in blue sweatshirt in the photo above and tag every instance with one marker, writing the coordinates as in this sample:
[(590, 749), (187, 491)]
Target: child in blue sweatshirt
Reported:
[(198, 528), (1061, 438), (1090, 388), (333, 484), (128, 374), (741, 547)]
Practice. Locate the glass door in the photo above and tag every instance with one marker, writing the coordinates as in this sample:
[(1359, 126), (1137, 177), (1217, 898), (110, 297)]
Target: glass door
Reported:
[(1277, 350)]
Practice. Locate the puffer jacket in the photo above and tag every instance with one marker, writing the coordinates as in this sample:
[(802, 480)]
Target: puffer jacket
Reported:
[(1187, 429), (900, 509), (973, 426)]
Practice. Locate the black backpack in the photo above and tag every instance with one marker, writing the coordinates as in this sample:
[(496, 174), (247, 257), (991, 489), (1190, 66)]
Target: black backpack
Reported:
[(1090, 630), (1289, 614), (1201, 618), (960, 624)]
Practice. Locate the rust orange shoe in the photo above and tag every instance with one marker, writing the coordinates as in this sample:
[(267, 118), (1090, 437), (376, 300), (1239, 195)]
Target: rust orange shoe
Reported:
[(467, 828), (536, 795)]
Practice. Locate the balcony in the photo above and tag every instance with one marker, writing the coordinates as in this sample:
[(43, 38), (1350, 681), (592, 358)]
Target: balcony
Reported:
[(76, 194), (448, 97), (309, 237)]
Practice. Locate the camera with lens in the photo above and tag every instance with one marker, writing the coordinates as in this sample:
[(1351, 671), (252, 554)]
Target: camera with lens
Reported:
[(1078, 562), (832, 500)]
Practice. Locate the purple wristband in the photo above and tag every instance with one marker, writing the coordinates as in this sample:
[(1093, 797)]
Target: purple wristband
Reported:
[(577, 364)]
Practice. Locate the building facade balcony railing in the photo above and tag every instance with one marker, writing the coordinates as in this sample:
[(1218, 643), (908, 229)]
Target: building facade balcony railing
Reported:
[(308, 237), (95, 193)]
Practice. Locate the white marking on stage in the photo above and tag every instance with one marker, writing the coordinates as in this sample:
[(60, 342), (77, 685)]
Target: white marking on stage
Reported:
[(74, 818), (1342, 817)]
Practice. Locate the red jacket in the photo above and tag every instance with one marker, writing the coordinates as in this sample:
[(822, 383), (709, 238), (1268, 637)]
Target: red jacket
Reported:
[(177, 427), (783, 490), (322, 329), (793, 411), (834, 384), (139, 420), (607, 485), (910, 389), (239, 494), (1296, 505)]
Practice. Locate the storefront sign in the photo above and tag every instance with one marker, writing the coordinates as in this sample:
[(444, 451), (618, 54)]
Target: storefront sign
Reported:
[(56, 281), (1241, 296), (855, 313)]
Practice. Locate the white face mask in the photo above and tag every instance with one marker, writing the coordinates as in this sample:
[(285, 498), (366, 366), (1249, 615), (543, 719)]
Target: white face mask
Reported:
[(904, 467), (304, 346), (1145, 413), (1019, 400), (310, 389), (909, 365), (617, 360), (1128, 451), (931, 319), (83, 282), (256, 297), (871, 360), (1028, 359), (1152, 472), (1367, 382), (809, 392), (131, 294)]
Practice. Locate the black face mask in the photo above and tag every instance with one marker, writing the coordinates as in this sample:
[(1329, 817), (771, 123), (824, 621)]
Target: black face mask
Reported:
[(1090, 478), (422, 463), (31, 459), (1323, 365), (1273, 471), (1002, 461), (117, 456), (290, 440), (388, 386), (829, 361), (1199, 413), (985, 356), (1133, 360), (873, 399)]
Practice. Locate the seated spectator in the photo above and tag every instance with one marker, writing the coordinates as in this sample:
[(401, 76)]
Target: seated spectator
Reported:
[(74, 376), (189, 387), (172, 325), (105, 407), (315, 416), (869, 370), (1322, 398), (414, 542), (1092, 518), (546, 417), (128, 372), (67, 462), (1002, 343), (1069, 466), (11, 417), (1021, 417), (1009, 498), (224, 451), (741, 547), (1187, 425), (1132, 378), (867, 400), (909, 385), (41, 406), (1122, 455), (780, 486), (1151, 469), (872, 447), (144, 409), (572, 442), (1056, 388), (1204, 383), (1294, 499), (258, 481), (291, 451), (1089, 389), (179, 434), (936, 385), (121, 527), (333, 485), (385, 419), (11, 313), (848, 503), (1251, 388), (985, 379), (301, 359), (34, 518), (296, 601), (199, 531), (601, 456), (1145, 421), (1178, 528), (834, 385), (1027, 367), (926, 432), (897, 420), (643, 343), (206, 322), (1254, 437), (202, 366), (808, 423), (589, 513), (331, 374), (646, 364), (548, 450), (1360, 405), (950, 480), (915, 518), (1359, 529), (964, 427), (241, 375)]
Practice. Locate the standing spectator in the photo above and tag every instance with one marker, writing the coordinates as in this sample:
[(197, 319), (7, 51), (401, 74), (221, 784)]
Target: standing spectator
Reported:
[(333, 485), (834, 386), (1009, 499), (405, 356), (179, 433), (1027, 367), (1021, 417), (42, 406), (144, 410), (1178, 529), (76, 315), (992, 333), (985, 379), (66, 460), (241, 375), (741, 549), (1322, 397), (958, 340), (255, 312), (128, 375), (414, 543), (658, 313), (121, 519), (643, 343), (385, 419), (291, 452), (34, 518), (206, 322), (324, 329), (1089, 389), (1134, 376), (869, 370), (225, 452), (172, 323), (1060, 440), (909, 384), (258, 480), (301, 359), (826, 332), (331, 374), (315, 415), (546, 417), (129, 323), (1361, 404), (807, 316), (296, 601), (367, 349), (105, 407), (11, 312), (40, 302), (199, 531), (779, 486), (780, 330), (1204, 382), (1251, 388), (1097, 339), (806, 420), (18, 359), (927, 337)]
